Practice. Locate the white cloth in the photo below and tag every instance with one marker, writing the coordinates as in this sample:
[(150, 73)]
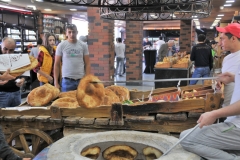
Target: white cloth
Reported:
[(235, 96), (120, 50), (159, 43), (230, 64)]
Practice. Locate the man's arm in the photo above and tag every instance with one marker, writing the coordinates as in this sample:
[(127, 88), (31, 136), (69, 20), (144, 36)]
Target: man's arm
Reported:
[(6, 76), (209, 118), (87, 64), (57, 66), (160, 52), (192, 55), (226, 77)]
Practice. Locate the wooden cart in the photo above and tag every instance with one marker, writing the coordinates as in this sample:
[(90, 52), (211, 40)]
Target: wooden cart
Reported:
[(41, 127)]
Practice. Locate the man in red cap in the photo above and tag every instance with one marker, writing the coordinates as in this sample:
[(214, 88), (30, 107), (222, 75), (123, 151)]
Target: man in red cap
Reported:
[(220, 141)]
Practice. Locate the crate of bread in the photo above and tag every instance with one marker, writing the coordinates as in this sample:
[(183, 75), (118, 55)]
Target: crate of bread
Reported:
[(182, 63)]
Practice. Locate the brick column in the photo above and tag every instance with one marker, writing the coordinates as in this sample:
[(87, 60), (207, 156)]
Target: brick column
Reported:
[(185, 35), (100, 45), (134, 38)]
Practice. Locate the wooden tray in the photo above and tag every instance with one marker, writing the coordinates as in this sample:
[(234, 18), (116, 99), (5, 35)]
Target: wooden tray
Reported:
[(183, 65), (163, 65)]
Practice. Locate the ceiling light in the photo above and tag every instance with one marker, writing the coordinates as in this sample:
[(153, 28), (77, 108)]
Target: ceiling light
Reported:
[(6, 0), (218, 18), (39, 0), (211, 27), (47, 9), (220, 15), (230, 1), (31, 7), (221, 7), (227, 5), (73, 9), (13, 8)]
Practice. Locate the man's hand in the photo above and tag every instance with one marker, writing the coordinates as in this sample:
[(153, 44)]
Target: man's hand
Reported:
[(3, 82), (20, 82), (218, 85), (50, 79), (206, 119), (226, 77), (6, 76)]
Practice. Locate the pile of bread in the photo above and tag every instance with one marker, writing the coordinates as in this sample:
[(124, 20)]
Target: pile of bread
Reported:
[(89, 94), (121, 152)]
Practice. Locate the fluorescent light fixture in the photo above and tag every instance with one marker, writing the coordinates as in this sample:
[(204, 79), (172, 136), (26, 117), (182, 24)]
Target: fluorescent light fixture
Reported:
[(47, 9), (6, 0), (73, 9), (31, 6), (13, 8), (227, 5), (220, 15), (221, 7), (218, 18), (195, 19), (39, 0), (230, 1), (211, 27), (198, 27)]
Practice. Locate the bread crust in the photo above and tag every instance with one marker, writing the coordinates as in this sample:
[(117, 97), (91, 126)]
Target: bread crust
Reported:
[(65, 102), (120, 91), (110, 97), (92, 152), (120, 152), (151, 153), (90, 95), (72, 94)]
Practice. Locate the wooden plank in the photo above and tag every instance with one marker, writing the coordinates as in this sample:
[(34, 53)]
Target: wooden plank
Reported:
[(71, 120), (194, 114), (163, 107), (213, 101), (116, 114), (43, 118), (12, 118), (172, 117), (56, 120), (102, 111), (27, 118), (101, 121), (55, 112), (140, 119), (26, 112), (86, 120)]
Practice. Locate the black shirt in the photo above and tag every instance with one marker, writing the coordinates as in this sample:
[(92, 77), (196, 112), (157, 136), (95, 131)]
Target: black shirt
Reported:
[(202, 55)]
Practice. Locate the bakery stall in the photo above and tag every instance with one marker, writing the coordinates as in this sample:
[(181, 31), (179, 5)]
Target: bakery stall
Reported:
[(175, 67), (48, 114)]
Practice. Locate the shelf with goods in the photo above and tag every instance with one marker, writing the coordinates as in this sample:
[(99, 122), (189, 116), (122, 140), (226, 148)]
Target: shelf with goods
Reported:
[(30, 37), (54, 24)]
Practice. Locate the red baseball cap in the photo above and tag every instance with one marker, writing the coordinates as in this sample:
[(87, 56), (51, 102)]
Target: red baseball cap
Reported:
[(233, 28)]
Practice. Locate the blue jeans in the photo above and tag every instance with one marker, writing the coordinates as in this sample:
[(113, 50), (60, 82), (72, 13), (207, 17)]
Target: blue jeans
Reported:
[(120, 65), (200, 72), (10, 99), (69, 84)]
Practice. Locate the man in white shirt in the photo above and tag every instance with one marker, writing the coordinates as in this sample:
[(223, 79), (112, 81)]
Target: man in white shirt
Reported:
[(120, 54), (159, 43), (220, 141)]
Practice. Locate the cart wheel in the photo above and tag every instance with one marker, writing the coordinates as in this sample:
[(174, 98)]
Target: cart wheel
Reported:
[(31, 142)]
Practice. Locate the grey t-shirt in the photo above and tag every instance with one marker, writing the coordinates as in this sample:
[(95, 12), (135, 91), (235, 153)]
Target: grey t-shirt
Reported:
[(72, 58)]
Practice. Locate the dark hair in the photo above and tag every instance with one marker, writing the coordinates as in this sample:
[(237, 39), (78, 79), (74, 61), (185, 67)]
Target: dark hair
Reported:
[(45, 41), (119, 39), (201, 38), (160, 37), (39, 41), (70, 26), (229, 35)]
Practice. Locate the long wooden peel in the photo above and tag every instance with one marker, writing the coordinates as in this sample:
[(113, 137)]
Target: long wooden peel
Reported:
[(181, 139), (156, 80)]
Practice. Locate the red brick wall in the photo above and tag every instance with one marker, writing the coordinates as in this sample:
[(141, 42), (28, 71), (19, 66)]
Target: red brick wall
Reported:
[(100, 45), (134, 38), (185, 39)]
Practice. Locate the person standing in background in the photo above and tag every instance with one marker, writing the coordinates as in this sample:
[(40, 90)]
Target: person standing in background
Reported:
[(202, 56), (74, 56), (146, 43), (46, 59), (164, 50), (35, 50), (120, 54), (10, 95)]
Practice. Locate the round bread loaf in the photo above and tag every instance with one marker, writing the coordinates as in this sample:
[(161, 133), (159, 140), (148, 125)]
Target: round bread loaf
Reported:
[(65, 102), (72, 94), (151, 153), (91, 153), (110, 97), (42, 95), (120, 91), (90, 95), (120, 152)]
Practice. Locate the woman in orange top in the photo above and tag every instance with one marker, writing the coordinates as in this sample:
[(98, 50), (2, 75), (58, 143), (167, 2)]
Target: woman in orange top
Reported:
[(46, 59)]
